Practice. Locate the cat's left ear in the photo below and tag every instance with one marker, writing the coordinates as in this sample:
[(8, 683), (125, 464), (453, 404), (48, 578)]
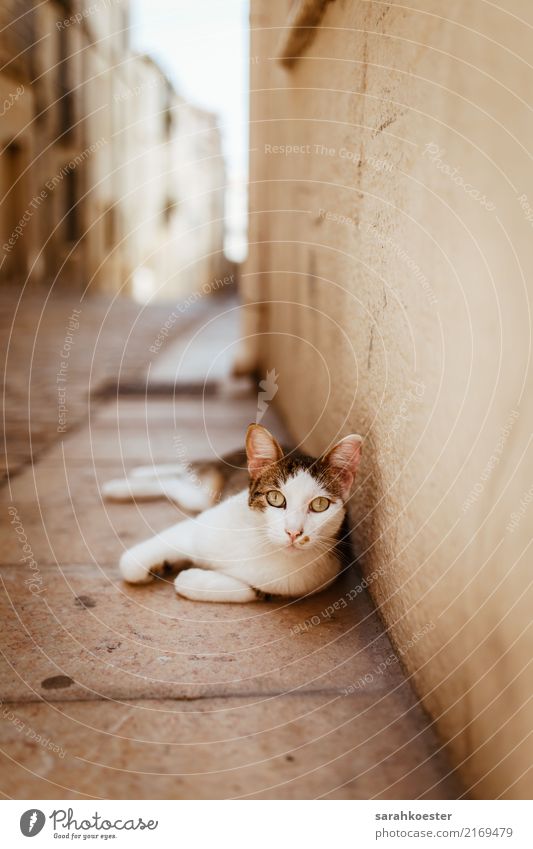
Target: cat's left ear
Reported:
[(262, 449), (343, 460)]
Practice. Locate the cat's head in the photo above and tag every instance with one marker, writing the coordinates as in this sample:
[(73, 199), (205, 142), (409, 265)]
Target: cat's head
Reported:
[(302, 499)]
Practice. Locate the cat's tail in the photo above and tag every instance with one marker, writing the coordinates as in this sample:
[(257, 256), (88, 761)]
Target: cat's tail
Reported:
[(192, 490)]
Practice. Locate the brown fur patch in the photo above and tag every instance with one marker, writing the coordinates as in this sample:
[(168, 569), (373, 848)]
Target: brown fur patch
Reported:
[(278, 473), (234, 474)]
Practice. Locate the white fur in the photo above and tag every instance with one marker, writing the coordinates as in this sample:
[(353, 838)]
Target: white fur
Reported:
[(173, 482), (250, 547), (287, 551), (162, 470), (200, 585)]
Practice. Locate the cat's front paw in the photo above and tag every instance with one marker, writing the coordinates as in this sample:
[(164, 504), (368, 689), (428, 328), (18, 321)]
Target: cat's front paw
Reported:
[(203, 585), (134, 568)]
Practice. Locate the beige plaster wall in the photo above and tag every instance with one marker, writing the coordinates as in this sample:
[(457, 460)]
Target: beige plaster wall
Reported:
[(391, 257)]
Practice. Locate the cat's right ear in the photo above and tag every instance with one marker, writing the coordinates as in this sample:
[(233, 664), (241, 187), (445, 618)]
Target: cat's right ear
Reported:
[(262, 449)]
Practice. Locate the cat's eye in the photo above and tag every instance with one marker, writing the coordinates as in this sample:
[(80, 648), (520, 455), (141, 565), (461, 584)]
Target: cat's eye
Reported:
[(275, 498), (319, 504)]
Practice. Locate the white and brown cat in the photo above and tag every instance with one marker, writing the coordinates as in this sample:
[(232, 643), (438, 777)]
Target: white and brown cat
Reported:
[(269, 530)]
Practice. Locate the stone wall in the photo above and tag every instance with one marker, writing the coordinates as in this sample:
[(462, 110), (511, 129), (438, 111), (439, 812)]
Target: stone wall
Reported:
[(388, 283)]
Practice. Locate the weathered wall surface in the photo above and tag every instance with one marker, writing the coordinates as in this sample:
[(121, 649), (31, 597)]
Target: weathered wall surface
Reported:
[(391, 261)]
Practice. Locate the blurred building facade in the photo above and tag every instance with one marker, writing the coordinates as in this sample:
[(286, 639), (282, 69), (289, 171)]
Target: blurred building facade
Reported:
[(108, 178)]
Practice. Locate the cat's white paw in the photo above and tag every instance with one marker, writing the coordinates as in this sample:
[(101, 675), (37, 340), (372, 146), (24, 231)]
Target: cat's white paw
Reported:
[(134, 568), (203, 585)]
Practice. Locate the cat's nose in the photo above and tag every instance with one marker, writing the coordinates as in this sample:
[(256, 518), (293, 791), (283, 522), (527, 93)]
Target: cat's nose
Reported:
[(294, 534)]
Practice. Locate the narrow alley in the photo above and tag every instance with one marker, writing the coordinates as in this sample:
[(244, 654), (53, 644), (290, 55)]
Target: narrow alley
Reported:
[(312, 216), (114, 691)]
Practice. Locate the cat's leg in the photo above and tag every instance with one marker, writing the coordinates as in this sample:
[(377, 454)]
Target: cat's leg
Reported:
[(128, 489), (194, 494), (191, 494), (175, 544), (204, 585), (160, 471)]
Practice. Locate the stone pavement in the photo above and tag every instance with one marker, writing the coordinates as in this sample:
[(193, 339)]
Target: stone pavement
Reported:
[(57, 349), (113, 691)]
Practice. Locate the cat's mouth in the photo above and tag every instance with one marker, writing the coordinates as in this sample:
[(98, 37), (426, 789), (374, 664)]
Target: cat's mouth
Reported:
[(299, 543)]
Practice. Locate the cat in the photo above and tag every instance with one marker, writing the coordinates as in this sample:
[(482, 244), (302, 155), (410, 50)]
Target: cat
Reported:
[(270, 530)]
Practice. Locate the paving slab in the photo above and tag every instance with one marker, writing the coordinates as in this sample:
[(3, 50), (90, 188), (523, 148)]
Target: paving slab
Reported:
[(191, 431), (101, 638), (34, 324), (60, 510), (290, 747), (205, 351), (233, 407), (159, 445)]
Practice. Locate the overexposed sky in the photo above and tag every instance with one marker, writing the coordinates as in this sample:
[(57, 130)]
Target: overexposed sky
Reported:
[(202, 45)]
